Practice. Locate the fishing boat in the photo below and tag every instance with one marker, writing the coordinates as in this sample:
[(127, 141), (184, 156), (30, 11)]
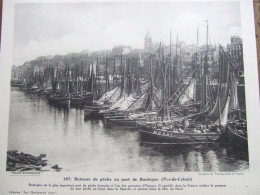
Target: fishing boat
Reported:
[(34, 89), (237, 125), (154, 133), (128, 95), (141, 108), (47, 86), (96, 104), (199, 128), (237, 134), (99, 107), (78, 98), (61, 97)]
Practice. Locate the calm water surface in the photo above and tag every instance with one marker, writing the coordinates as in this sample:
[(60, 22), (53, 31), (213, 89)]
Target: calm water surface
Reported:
[(77, 145)]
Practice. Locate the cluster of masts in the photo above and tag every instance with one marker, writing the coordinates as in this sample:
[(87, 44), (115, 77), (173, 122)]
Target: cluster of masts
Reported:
[(164, 110)]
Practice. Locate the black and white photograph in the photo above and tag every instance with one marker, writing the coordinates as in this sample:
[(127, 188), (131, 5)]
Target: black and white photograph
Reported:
[(128, 87)]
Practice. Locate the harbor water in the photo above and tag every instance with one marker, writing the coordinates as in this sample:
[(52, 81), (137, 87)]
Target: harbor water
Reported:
[(78, 145)]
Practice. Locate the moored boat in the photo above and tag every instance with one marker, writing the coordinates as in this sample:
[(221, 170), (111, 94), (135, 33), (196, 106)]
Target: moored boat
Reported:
[(152, 134), (77, 100), (59, 99), (237, 134), (92, 112)]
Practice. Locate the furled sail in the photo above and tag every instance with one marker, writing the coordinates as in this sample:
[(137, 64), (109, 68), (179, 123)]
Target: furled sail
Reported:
[(115, 96), (123, 103), (233, 90), (188, 94), (140, 103), (106, 96), (220, 110), (222, 119)]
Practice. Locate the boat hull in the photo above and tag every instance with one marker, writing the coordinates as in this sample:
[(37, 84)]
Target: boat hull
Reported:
[(125, 122), (59, 101), (236, 140), (107, 118), (77, 101), (91, 112), (158, 136)]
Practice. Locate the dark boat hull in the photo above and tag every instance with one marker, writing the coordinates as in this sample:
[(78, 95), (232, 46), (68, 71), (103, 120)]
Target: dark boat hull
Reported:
[(46, 93), (59, 101), (107, 118), (158, 136), (91, 112), (77, 101), (32, 91), (236, 140), (125, 122)]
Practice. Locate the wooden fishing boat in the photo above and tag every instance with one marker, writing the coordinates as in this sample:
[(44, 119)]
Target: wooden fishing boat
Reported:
[(98, 108), (131, 120), (63, 97), (47, 89), (17, 84), (201, 128), (77, 99), (107, 116), (59, 99), (93, 112), (33, 89), (47, 92), (118, 113), (237, 135), (124, 122), (95, 101), (77, 95), (150, 133)]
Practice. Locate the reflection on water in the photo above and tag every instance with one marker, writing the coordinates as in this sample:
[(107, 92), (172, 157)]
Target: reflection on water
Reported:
[(77, 145)]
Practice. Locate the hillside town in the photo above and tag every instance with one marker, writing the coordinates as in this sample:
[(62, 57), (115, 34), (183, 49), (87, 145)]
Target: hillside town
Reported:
[(182, 54)]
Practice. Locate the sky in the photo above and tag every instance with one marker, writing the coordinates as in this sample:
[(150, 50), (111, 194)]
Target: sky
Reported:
[(59, 28)]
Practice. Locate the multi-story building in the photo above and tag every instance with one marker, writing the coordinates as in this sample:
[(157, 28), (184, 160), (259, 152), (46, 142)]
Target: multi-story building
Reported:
[(235, 48)]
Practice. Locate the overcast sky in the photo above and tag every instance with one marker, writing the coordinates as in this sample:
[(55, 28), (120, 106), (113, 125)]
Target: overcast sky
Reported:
[(49, 29)]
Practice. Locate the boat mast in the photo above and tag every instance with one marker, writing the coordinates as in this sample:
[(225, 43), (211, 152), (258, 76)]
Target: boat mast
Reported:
[(122, 70), (165, 89), (181, 76), (169, 74), (196, 64), (68, 79), (92, 78), (56, 83), (151, 83), (204, 76), (97, 76), (221, 60), (129, 76), (137, 83), (82, 78), (161, 71), (174, 75), (107, 79), (114, 72), (77, 81)]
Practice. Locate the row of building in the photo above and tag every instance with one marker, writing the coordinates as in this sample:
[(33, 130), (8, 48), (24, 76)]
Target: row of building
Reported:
[(181, 55)]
